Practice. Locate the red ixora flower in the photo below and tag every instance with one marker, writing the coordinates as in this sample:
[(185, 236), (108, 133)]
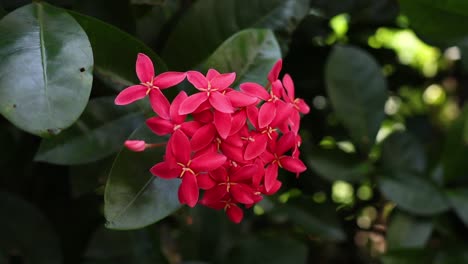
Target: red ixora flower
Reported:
[(227, 143), (150, 85)]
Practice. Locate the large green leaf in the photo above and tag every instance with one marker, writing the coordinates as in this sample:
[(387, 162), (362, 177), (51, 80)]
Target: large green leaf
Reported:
[(334, 164), (456, 150), (274, 250), (115, 52), (357, 91), (99, 132), (459, 200), (413, 193), (134, 198), (408, 256), (209, 22), (403, 152), (406, 231), (440, 22), (27, 232), (250, 53), (45, 70)]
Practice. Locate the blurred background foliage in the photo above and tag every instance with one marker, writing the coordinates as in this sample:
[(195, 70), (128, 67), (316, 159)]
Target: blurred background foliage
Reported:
[(386, 141)]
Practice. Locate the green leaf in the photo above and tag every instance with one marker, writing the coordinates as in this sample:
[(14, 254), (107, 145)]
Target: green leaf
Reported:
[(123, 247), (250, 53), (447, 15), (357, 91), (115, 52), (134, 198), (403, 152), (458, 198), (334, 165), (209, 22), (46, 69), (455, 254), (456, 150), (274, 250), (408, 256), (407, 231), (414, 194), (22, 227), (88, 178), (100, 131)]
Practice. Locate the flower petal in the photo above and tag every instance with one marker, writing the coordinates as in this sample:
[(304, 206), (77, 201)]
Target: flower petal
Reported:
[(205, 182), (289, 86), (244, 173), (169, 79), (303, 106), (252, 115), (241, 193), (203, 137), (238, 121), (223, 81), (159, 103), (131, 94), (223, 124), (192, 102), (271, 175), (190, 127), (144, 68), (234, 213), (215, 194), (211, 74), (174, 108), (255, 89), (188, 190), (275, 71), (239, 99), (285, 143), (207, 162), (181, 147), (164, 170), (197, 79), (221, 103), (232, 152), (160, 126), (219, 175), (283, 111), (266, 114), (255, 148), (292, 164)]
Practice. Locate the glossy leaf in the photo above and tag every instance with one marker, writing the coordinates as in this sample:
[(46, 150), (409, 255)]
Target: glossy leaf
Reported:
[(277, 250), (333, 165), (115, 52), (403, 152), (46, 67), (414, 194), (459, 200), (197, 34), (447, 15), (357, 91), (100, 131), (134, 198), (407, 231), (21, 224), (250, 53)]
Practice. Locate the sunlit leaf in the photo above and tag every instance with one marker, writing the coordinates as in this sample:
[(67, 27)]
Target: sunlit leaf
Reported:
[(46, 69), (250, 53), (22, 223), (134, 198), (100, 131), (357, 90), (197, 34)]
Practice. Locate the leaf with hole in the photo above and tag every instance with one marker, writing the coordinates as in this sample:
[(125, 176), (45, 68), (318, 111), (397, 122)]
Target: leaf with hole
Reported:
[(45, 70), (100, 131)]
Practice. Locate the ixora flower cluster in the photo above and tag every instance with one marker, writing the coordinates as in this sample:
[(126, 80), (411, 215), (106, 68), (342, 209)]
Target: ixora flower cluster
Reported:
[(226, 142)]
